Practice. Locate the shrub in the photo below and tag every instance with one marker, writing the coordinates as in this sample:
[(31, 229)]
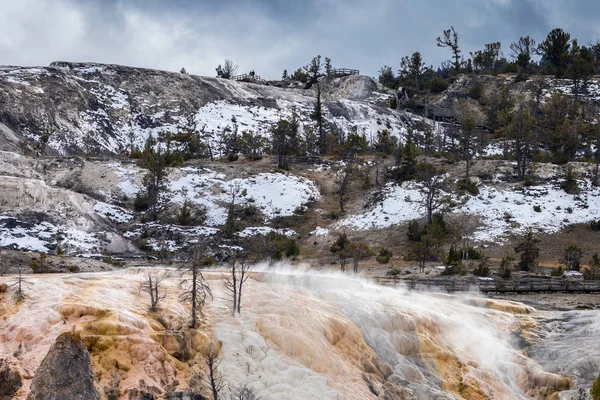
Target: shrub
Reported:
[(472, 187), (141, 202), (184, 217), (537, 208), (384, 256), (595, 392), (570, 183), (231, 157), (340, 243), (251, 213), (393, 272), (438, 85), (482, 269), (476, 91), (475, 254), (456, 269), (393, 103), (454, 256), (557, 271), (595, 225), (506, 267), (414, 231), (292, 249), (73, 268), (39, 265), (410, 104)]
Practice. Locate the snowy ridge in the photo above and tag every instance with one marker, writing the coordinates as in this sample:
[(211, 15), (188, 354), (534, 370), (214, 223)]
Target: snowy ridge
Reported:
[(106, 109), (502, 212)]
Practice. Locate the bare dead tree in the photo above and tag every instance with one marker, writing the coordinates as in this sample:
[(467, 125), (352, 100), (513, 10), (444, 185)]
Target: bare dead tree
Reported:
[(231, 284), (196, 289), (379, 165), (341, 179), (234, 282), (214, 378), (244, 392), (152, 287), (19, 286), (227, 70), (234, 191), (244, 274)]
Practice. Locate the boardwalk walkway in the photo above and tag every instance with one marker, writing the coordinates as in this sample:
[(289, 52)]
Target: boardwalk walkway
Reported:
[(492, 286)]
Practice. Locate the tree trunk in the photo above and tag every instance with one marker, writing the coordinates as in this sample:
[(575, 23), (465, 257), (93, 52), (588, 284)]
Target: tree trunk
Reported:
[(194, 297), (467, 170)]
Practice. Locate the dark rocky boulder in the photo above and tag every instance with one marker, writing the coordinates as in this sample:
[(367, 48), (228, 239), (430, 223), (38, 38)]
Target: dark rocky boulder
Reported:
[(10, 381), (65, 372)]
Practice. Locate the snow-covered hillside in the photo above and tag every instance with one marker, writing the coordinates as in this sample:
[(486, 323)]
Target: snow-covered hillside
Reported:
[(503, 210), (104, 109)]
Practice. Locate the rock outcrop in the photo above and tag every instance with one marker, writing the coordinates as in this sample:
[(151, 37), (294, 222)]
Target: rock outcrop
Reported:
[(103, 109), (65, 372), (10, 381)]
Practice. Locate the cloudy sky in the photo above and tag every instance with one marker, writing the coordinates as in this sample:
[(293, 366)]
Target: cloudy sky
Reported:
[(270, 35)]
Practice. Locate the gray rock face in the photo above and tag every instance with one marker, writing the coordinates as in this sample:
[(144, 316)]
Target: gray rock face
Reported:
[(10, 381), (102, 109), (65, 373)]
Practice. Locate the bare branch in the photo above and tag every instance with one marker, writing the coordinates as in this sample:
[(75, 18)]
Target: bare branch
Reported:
[(152, 287)]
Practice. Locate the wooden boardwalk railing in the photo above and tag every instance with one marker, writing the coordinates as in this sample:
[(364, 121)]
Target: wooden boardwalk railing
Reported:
[(492, 286), (247, 78), (540, 286), (338, 72)]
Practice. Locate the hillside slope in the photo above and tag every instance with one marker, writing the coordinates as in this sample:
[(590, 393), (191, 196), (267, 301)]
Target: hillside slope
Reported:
[(103, 109)]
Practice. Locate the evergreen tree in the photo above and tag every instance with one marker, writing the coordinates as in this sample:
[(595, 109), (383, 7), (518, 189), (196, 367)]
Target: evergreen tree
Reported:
[(155, 162), (466, 117), (317, 116), (328, 67), (450, 39), (408, 165), (284, 76), (313, 69), (411, 73), (529, 250), (387, 78), (285, 139), (485, 60), (520, 135), (522, 51), (572, 257), (433, 198), (555, 49), (593, 272), (581, 68)]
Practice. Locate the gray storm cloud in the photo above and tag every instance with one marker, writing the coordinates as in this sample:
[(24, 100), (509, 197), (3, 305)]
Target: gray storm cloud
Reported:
[(269, 36)]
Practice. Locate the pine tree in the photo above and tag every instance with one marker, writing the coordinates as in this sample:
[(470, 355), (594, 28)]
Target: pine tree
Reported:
[(466, 118), (284, 76), (411, 72), (581, 68), (555, 49), (408, 165), (328, 67), (529, 251), (450, 40), (314, 69), (155, 162), (520, 135), (317, 116), (522, 51)]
